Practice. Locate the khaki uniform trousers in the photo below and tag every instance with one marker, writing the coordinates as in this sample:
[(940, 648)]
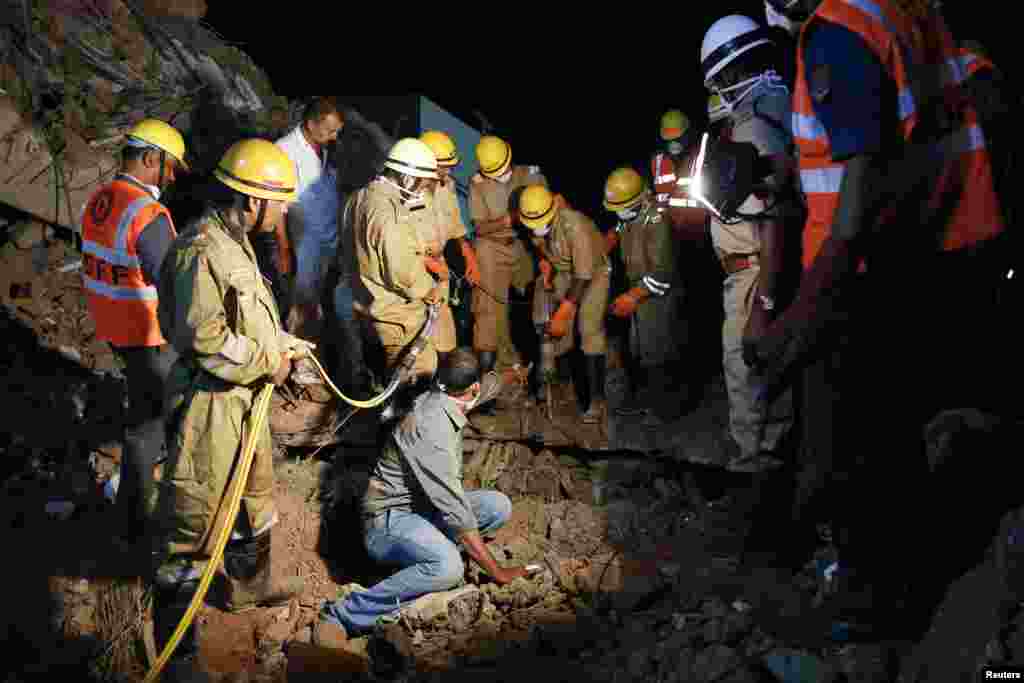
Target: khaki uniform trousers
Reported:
[(753, 425), (589, 318), (504, 263)]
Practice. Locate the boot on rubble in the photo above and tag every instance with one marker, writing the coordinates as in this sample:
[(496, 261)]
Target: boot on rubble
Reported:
[(488, 359), (598, 410), (250, 584)]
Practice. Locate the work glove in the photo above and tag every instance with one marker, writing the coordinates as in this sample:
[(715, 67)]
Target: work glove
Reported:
[(547, 271), (437, 266), (626, 303), (561, 321), (472, 265), (611, 240)]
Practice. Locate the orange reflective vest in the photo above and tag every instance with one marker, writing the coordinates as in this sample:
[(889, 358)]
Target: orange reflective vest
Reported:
[(664, 171), (918, 53), (123, 304)]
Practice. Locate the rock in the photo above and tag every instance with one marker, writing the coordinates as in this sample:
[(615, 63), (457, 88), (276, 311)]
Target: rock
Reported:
[(79, 587), (639, 663), (714, 662), (794, 666), (457, 609), (668, 490), (391, 651), (867, 663), (728, 629)]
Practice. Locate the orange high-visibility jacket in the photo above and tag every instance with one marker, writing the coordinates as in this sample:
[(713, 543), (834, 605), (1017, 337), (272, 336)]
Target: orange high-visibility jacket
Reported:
[(919, 55), (123, 304)]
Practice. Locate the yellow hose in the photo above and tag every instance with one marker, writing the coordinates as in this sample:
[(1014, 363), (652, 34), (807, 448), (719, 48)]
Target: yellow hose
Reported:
[(257, 417)]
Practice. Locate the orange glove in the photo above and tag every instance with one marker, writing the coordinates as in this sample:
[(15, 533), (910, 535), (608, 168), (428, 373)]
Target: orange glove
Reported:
[(611, 240), (560, 322), (437, 266), (472, 265), (625, 304), (548, 273)]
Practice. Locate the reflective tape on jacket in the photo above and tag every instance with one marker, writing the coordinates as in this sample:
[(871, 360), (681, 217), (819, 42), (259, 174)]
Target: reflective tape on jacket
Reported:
[(123, 304), (919, 56), (663, 170)]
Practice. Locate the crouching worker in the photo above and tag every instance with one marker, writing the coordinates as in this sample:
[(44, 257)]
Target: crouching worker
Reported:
[(221, 317), (416, 513)]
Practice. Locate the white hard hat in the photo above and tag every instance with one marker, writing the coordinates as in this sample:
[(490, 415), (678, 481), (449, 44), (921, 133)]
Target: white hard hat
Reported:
[(727, 39), (412, 157)]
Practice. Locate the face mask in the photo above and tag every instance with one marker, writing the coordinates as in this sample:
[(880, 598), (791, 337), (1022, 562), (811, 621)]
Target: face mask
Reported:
[(675, 148), (776, 19), (734, 94), (505, 178), (542, 232), (628, 214), (409, 198)]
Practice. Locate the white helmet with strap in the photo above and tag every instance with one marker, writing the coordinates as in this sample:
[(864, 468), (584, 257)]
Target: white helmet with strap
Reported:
[(729, 38)]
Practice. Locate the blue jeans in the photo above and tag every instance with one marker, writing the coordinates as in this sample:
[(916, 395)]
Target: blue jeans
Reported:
[(425, 550)]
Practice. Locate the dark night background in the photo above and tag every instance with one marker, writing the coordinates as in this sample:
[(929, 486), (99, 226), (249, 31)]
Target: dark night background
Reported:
[(578, 98)]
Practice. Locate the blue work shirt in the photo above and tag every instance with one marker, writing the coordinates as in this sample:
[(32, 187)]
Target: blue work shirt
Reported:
[(320, 235), (857, 104)]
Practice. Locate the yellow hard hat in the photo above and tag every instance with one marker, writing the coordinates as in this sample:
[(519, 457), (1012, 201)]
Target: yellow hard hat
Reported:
[(442, 146), (537, 207), (673, 124), (494, 156), (410, 156), (156, 133), (258, 168), (624, 189)]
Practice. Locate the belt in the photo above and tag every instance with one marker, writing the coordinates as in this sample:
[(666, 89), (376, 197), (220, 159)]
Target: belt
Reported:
[(734, 263)]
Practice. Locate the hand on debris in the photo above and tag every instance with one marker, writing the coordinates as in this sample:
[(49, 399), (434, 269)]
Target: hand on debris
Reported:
[(437, 266), (283, 370), (561, 321), (472, 265), (507, 575), (547, 272)]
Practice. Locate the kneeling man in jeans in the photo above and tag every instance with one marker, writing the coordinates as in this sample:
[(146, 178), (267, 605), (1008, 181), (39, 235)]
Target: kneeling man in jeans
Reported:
[(416, 513)]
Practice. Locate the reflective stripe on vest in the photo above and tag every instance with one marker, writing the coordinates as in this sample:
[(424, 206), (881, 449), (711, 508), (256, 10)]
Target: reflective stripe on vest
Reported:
[(123, 304), (664, 173), (903, 46)]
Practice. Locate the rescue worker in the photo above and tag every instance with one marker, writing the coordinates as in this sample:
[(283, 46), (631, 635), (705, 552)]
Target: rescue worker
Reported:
[(219, 314), (503, 259), (416, 513), (347, 327), (575, 279), (901, 212), (677, 137), (737, 60), (394, 288), (447, 225), (125, 234), (651, 301), (312, 229)]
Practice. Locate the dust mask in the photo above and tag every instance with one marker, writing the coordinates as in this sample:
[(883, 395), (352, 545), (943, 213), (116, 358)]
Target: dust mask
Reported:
[(409, 198), (675, 148), (627, 215), (542, 232)]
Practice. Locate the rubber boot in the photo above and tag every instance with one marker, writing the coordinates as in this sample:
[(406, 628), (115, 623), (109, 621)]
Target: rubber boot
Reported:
[(250, 584), (598, 409), (488, 359)]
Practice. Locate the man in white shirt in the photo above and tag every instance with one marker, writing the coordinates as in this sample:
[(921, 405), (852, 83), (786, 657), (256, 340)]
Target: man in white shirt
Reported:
[(312, 227)]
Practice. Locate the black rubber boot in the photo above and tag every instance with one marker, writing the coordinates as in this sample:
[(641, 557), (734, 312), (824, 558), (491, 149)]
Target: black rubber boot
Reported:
[(598, 409), (488, 359), (247, 565)]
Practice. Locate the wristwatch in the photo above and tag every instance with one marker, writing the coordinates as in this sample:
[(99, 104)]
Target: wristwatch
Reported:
[(767, 303)]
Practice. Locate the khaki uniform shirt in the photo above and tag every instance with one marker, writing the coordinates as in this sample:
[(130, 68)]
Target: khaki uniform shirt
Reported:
[(488, 199), (773, 103), (389, 254), (447, 223), (216, 308), (575, 246)]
